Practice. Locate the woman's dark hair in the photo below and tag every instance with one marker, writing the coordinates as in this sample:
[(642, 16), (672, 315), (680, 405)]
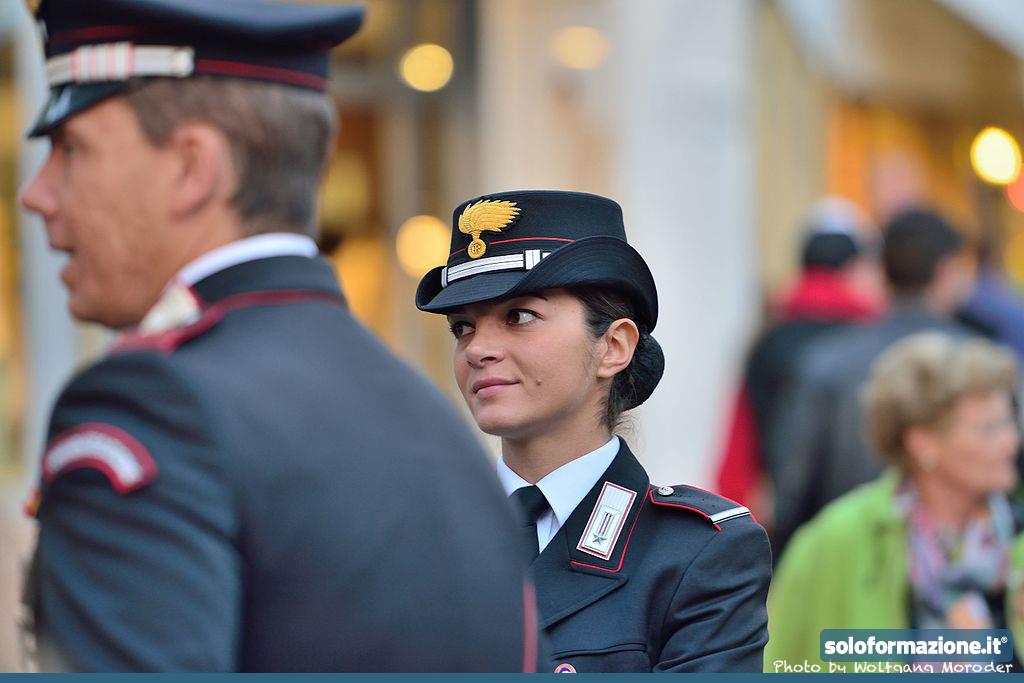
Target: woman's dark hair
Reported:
[(633, 385)]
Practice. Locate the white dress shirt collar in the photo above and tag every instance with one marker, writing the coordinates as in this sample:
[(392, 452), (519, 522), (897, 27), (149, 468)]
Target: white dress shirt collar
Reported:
[(566, 487), (246, 249)]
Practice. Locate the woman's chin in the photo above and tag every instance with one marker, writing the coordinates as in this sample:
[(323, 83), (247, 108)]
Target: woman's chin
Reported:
[(505, 426)]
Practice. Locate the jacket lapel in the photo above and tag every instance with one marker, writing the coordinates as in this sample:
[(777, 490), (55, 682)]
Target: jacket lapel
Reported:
[(586, 558)]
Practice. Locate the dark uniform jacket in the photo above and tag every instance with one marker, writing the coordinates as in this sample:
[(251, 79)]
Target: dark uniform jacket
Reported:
[(683, 587), (268, 488)]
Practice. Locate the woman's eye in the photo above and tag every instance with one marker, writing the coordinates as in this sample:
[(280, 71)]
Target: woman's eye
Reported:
[(460, 328), (518, 316)]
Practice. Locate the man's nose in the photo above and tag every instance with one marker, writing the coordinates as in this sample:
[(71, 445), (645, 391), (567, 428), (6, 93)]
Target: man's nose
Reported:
[(38, 195)]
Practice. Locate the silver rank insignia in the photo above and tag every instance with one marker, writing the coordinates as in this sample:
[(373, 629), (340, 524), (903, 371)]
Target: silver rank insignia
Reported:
[(606, 521)]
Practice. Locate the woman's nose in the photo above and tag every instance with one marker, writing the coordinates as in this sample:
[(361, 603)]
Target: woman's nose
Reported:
[(485, 346)]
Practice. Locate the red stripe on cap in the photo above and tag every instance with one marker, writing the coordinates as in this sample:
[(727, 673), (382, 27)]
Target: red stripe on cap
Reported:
[(519, 239), (224, 68), (95, 32)]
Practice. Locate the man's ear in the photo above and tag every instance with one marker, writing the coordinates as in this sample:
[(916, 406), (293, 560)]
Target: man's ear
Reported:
[(202, 162), (617, 347)]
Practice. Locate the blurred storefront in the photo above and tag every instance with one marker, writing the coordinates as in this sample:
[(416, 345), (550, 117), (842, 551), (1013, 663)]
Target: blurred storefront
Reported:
[(879, 102), (714, 124)]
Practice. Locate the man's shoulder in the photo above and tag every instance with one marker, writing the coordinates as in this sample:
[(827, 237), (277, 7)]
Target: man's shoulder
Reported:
[(130, 419)]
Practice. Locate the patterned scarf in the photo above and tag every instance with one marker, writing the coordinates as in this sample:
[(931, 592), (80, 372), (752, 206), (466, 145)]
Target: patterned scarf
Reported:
[(948, 566)]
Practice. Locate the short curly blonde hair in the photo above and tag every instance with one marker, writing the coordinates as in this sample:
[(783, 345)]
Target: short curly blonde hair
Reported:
[(917, 381)]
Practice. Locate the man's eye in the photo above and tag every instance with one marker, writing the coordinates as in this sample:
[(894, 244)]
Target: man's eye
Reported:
[(460, 328), (519, 316)]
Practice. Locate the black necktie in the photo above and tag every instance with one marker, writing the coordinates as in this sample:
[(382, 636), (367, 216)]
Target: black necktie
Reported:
[(531, 504)]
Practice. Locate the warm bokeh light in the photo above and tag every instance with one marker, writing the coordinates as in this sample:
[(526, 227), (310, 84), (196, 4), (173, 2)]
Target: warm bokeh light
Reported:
[(579, 47), (426, 67), (995, 156), (362, 265), (422, 244), (1015, 193), (1013, 257), (345, 194)]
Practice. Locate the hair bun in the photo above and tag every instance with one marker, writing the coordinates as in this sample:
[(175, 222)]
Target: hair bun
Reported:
[(639, 380)]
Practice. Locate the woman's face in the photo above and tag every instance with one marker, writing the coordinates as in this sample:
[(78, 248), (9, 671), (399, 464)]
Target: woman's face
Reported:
[(976, 450), (524, 365)]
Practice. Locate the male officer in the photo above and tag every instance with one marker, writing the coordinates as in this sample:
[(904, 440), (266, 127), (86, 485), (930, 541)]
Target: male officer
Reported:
[(248, 480)]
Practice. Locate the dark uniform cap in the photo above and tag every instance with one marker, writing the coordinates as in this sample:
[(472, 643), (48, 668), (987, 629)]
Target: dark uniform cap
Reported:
[(831, 250), (95, 49), (515, 243)]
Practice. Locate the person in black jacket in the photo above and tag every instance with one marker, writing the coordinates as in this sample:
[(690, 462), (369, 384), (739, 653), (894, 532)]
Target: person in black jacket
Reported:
[(248, 480), (552, 312), (840, 284)]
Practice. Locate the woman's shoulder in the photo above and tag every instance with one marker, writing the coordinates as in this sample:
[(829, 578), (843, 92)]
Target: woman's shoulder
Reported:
[(683, 508)]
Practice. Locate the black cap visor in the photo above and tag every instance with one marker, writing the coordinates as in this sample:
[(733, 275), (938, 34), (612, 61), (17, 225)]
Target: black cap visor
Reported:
[(599, 261), (71, 99)]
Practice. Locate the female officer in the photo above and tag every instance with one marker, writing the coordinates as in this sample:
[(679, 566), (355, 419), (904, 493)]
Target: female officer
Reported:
[(552, 311)]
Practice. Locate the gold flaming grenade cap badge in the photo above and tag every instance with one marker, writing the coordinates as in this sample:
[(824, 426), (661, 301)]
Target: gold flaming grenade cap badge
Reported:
[(486, 214)]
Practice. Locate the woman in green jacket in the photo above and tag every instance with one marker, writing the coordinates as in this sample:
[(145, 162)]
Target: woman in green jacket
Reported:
[(933, 542)]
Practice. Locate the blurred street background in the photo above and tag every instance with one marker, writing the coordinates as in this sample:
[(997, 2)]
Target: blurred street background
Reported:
[(715, 123)]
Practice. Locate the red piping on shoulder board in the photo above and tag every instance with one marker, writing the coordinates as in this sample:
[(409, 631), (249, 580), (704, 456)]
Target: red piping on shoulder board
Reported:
[(167, 342), (718, 495), (622, 558), (650, 494)]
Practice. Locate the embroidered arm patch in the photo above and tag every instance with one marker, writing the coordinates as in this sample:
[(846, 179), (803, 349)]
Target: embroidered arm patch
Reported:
[(112, 451)]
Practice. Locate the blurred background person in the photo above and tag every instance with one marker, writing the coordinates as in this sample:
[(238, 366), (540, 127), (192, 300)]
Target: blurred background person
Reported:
[(840, 283), (930, 543), (994, 309), (816, 439)]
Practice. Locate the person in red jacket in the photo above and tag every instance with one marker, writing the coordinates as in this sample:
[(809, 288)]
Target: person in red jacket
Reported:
[(840, 283)]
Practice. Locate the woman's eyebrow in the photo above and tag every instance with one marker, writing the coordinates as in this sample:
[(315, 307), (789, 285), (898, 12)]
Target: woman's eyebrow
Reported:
[(528, 296)]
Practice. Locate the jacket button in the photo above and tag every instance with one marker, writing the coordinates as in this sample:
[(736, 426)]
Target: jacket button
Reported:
[(666, 491)]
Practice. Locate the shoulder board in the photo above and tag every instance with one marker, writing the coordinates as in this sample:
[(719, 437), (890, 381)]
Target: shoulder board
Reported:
[(167, 341), (176, 318), (185, 325), (712, 507)]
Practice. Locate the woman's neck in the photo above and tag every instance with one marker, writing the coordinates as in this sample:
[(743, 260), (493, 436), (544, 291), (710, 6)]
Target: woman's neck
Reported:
[(948, 505), (534, 457)]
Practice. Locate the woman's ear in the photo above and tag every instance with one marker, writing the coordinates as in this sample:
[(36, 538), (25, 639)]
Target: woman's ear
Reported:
[(618, 344), (921, 445), (204, 171)]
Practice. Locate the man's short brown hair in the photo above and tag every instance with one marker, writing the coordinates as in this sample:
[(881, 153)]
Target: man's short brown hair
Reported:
[(917, 381), (281, 138)]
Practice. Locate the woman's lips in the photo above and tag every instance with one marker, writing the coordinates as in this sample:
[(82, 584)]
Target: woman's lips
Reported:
[(486, 388)]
